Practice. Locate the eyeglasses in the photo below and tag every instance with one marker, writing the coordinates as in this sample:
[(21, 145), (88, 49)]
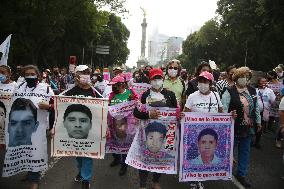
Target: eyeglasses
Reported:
[(175, 68)]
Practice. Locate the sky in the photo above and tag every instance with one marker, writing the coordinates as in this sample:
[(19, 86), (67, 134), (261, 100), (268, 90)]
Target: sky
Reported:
[(171, 17)]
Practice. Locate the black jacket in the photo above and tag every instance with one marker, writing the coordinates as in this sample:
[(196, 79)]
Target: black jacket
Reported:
[(170, 98)]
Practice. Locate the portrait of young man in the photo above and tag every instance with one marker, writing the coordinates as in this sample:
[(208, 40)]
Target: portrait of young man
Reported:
[(22, 122), (207, 144), (155, 135), (77, 120)]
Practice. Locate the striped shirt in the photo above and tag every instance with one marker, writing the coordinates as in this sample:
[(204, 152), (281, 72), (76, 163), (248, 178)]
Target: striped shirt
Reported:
[(221, 86)]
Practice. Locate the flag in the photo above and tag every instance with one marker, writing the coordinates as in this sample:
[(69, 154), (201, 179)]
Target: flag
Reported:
[(4, 48)]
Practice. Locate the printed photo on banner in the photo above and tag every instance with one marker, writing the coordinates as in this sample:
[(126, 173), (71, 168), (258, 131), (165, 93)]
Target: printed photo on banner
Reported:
[(155, 144), (80, 127), (5, 99), (121, 127), (25, 138), (206, 149)]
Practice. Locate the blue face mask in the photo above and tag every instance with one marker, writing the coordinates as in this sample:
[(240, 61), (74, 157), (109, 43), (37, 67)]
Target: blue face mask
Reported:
[(3, 78)]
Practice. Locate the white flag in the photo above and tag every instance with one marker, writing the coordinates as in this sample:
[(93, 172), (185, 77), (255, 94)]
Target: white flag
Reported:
[(4, 48)]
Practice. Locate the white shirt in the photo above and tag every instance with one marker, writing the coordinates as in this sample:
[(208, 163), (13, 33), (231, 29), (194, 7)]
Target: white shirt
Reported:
[(281, 105), (9, 88), (265, 97), (198, 102)]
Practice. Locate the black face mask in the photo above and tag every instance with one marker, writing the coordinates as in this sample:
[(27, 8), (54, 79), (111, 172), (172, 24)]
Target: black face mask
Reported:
[(100, 79), (31, 82)]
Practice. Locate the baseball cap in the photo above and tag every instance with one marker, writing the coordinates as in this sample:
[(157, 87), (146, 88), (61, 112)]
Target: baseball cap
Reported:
[(81, 68), (117, 68), (207, 75), (155, 72), (117, 79)]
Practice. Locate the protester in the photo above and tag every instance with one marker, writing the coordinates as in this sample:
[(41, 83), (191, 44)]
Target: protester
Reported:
[(265, 98), (100, 83), (203, 100), (173, 82), (120, 94), (222, 85), (83, 88), (157, 96), (192, 84), (6, 84), (32, 85), (242, 98), (274, 110)]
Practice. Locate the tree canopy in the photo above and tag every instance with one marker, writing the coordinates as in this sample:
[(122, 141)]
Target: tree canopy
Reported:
[(47, 32), (245, 32)]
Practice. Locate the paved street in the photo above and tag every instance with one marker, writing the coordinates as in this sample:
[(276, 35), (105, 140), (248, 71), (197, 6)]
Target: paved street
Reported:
[(266, 168)]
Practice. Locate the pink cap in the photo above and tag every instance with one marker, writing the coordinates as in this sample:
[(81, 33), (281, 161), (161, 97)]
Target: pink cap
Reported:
[(207, 75), (117, 79)]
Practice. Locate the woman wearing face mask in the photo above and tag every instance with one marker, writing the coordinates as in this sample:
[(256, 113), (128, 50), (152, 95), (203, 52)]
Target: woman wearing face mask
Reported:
[(203, 100), (243, 98), (222, 85), (30, 86), (173, 82), (265, 98), (7, 86), (120, 94), (157, 96)]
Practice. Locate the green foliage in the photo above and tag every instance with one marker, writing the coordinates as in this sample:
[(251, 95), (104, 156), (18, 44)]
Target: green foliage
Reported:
[(247, 32), (47, 32)]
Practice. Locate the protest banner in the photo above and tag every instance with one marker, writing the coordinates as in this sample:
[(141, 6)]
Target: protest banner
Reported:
[(80, 127), (121, 127), (140, 88), (25, 130), (5, 99), (206, 148), (154, 147)]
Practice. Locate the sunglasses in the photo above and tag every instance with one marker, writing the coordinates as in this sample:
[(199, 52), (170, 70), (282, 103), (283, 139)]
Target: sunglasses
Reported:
[(175, 68)]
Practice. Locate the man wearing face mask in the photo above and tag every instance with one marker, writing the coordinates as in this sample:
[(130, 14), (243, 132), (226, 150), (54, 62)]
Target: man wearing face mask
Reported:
[(120, 94), (157, 96), (83, 88), (173, 82), (243, 98)]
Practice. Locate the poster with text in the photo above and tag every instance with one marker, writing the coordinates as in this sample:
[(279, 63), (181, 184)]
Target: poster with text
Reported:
[(154, 147), (5, 100), (206, 148), (25, 136), (80, 127)]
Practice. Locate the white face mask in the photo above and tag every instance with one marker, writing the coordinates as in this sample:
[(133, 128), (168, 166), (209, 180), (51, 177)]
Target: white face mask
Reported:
[(84, 79), (157, 83), (95, 77), (203, 87), (172, 72), (242, 81)]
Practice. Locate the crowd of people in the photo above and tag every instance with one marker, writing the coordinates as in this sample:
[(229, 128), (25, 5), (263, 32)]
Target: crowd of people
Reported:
[(255, 108)]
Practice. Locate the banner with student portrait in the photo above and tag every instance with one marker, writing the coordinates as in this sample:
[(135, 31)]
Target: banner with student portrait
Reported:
[(140, 88), (206, 148), (5, 100), (25, 136), (154, 147), (80, 127), (121, 127)]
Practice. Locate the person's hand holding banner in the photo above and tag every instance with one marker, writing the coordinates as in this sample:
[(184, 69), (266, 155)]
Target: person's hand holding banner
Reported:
[(154, 114)]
